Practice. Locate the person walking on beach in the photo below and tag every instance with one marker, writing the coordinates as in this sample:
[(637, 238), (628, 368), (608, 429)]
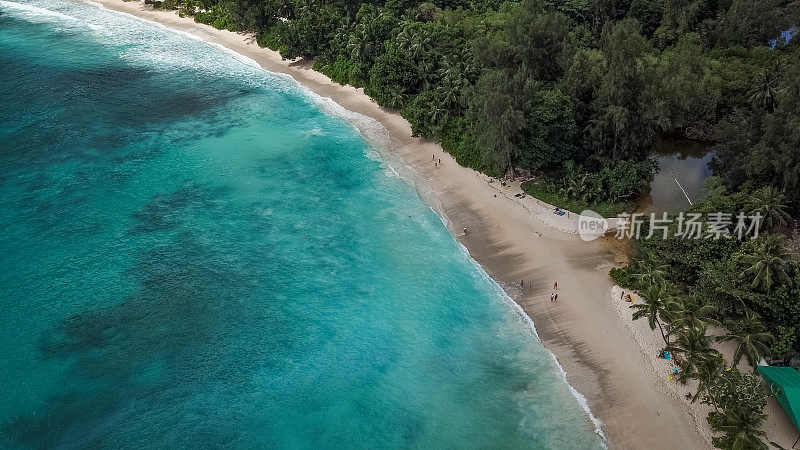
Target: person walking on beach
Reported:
[(555, 299), (522, 283), (555, 285), (465, 230), (551, 297)]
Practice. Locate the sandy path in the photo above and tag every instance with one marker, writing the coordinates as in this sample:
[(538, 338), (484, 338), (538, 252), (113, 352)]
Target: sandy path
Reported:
[(514, 243)]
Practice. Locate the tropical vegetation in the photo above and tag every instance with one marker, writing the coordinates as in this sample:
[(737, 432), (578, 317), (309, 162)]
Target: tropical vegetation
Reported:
[(574, 94), (748, 289)]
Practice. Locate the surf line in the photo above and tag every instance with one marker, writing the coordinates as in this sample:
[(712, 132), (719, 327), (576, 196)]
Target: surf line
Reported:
[(350, 116)]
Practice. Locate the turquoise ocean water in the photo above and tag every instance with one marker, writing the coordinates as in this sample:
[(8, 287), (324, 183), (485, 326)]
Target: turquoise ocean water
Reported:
[(158, 288)]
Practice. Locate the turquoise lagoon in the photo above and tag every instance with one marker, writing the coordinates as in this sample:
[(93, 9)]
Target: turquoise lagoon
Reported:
[(198, 253)]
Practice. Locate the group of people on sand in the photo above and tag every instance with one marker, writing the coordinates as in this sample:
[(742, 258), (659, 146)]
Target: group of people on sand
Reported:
[(629, 296), (554, 295), (436, 164)]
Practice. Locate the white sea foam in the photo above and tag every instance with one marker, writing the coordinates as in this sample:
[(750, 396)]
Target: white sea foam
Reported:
[(368, 127), (372, 130), (528, 322), (376, 134), (58, 20), (31, 11)]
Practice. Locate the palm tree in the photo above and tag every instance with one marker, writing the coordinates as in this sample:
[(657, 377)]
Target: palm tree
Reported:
[(695, 345), (689, 310), (752, 336), (650, 271), (768, 202), (707, 371), (766, 263), (437, 115), (449, 92), (654, 307), (426, 69), (591, 192), (742, 429), (397, 99), (356, 44), (577, 186), (404, 38), (420, 44), (764, 93)]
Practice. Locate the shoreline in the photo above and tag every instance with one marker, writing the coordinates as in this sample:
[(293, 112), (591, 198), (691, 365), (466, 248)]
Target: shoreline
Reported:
[(778, 427), (512, 239)]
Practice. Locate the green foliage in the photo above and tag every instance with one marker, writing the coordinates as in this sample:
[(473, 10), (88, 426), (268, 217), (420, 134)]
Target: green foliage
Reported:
[(649, 13), (393, 77), (751, 337), (765, 261), (372, 28), (609, 191), (549, 192), (625, 276), (740, 401), (270, 40), (624, 180), (551, 131), (459, 140), (311, 32), (425, 118), (343, 71), (656, 299), (217, 17), (621, 126), (499, 108), (534, 84), (686, 92), (729, 274), (686, 311), (769, 203), (785, 342), (760, 144), (696, 347)]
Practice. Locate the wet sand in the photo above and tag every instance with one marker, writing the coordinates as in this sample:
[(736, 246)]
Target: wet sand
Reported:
[(513, 240)]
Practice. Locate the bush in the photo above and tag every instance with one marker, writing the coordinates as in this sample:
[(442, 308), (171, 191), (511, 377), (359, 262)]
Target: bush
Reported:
[(270, 40), (625, 277), (740, 400), (342, 71), (393, 75), (784, 345), (460, 141), (548, 192), (217, 17), (418, 113)]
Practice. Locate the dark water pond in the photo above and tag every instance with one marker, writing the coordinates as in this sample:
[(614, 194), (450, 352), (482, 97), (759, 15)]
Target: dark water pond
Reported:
[(683, 168)]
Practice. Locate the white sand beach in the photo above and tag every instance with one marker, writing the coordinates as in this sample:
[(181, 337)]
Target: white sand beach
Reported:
[(516, 239), (778, 427)]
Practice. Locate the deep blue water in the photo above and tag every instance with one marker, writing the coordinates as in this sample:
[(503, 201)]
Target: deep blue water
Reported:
[(197, 253)]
